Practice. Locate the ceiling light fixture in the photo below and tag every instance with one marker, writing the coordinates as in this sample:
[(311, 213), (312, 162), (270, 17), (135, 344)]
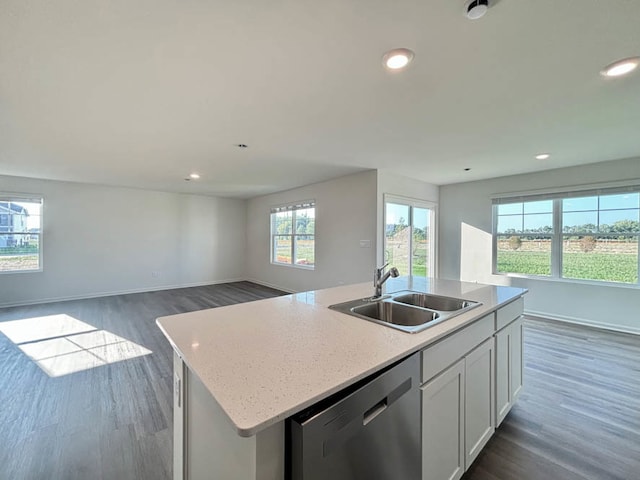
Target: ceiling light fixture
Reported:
[(241, 145), (542, 156), (195, 176), (397, 59), (475, 9), (621, 67)]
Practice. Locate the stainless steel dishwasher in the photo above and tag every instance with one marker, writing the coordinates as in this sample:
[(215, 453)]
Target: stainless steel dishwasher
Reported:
[(370, 431)]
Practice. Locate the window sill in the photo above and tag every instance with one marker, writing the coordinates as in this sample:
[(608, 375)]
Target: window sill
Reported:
[(9, 272), (293, 265), (593, 283)]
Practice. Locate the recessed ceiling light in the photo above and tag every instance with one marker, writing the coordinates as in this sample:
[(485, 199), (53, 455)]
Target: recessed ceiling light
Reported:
[(195, 176), (475, 9), (621, 67), (542, 156), (397, 59)]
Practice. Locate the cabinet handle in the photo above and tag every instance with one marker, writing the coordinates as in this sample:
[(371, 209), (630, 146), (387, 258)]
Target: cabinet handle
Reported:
[(177, 388)]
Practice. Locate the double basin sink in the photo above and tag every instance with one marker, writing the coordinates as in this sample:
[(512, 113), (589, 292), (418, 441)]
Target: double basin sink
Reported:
[(406, 310)]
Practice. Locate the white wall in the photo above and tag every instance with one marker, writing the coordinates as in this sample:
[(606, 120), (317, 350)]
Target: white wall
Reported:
[(101, 240), (392, 184), (345, 214), (465, 246)]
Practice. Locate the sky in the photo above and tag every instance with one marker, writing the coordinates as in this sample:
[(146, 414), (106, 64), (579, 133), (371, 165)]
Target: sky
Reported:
[(575, 212), (396, 211)]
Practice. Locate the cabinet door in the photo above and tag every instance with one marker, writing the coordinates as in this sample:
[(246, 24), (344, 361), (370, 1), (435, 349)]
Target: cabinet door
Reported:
[(516, 360), (443, 425), (479, 399), (503, 374)]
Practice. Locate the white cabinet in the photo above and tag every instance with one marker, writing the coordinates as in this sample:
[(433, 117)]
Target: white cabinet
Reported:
[(479, 399), (443, 425), (472, 379), (458, 412), (509, 365)]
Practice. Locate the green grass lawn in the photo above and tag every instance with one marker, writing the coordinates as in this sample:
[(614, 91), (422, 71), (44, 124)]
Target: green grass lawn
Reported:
[(589, 266)]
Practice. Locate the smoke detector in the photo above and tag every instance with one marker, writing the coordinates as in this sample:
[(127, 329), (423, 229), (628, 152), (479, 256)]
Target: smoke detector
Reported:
[(475, 9)]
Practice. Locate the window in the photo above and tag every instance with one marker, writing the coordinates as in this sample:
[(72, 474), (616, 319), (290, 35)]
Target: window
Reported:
[(583, 235), (293, 234), (408, 236), (20, 233)]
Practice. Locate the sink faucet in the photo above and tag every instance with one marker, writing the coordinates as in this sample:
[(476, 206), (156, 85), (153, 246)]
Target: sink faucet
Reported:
[(379, 277)]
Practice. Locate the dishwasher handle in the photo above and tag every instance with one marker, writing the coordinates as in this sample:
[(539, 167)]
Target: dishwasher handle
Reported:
[(374, 411)]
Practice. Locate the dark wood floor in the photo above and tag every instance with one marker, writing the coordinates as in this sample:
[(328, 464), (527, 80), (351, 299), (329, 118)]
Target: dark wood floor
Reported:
[(113, 422), (577, 418), (579, 414)]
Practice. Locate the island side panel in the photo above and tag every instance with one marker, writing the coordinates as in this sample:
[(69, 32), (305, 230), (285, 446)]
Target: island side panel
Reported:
[(213, 448), (178, 417)]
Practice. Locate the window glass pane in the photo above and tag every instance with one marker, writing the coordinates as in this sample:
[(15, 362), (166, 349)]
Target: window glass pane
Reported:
[(541, 223), (397, 236), (282, 249), (579, 204), (510, 224), (19, 235), (524, 254), (281, 222), (612, 202), (580, 222), (615, 221), (592, 257), (510, 208), (305, 221), (420, 254), (543, 206), (305, 251)]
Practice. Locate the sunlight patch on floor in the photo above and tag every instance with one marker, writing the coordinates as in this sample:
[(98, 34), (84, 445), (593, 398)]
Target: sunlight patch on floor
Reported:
[(61, 345)]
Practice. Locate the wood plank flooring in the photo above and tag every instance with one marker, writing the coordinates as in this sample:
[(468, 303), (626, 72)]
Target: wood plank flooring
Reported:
[(113, 422), (578, 417)]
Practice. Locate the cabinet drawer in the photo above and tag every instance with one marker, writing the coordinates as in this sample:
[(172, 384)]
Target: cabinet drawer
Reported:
[(439, 356), (508, 313)]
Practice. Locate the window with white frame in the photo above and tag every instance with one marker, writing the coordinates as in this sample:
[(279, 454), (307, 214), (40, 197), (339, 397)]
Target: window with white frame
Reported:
[(20, 233), (582, 235), (293, 234)]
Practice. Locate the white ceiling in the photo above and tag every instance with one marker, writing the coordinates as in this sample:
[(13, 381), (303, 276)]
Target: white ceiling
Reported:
[(143, 92)]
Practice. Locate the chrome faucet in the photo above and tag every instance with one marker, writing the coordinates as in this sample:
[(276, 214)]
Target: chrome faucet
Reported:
[(379, 277)]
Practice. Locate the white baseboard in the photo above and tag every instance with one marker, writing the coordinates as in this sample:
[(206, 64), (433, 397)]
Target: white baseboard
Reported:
[(581, 321), (120, 292), (270, 285)]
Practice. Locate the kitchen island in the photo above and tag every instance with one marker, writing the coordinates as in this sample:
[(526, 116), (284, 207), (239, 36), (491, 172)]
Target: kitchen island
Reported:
[(241, 370)]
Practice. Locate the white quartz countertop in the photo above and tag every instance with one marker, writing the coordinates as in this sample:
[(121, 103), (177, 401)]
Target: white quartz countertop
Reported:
[(263, 361)]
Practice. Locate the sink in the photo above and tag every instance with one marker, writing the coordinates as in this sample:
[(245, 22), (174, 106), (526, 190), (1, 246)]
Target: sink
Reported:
[(406, 310), (396, 313), (434, 302)]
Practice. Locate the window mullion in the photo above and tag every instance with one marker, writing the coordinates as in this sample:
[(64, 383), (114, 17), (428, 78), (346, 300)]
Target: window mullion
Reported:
[(638, 253), (557, 240), (293, 237), (410, 272)]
